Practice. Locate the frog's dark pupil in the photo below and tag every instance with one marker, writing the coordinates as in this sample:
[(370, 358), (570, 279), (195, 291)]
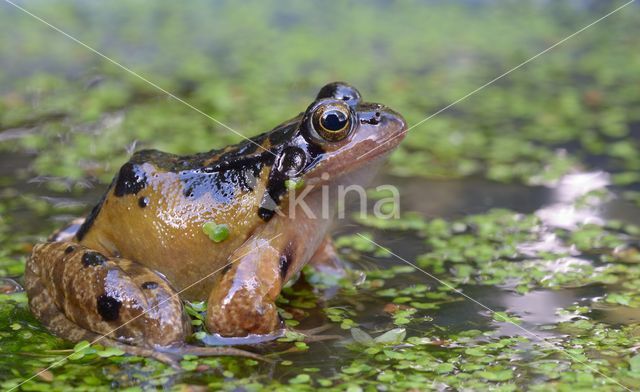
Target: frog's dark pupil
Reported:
[(334, 120)]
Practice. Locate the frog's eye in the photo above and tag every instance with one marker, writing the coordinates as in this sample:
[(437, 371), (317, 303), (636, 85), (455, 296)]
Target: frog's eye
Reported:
[(332, 121)]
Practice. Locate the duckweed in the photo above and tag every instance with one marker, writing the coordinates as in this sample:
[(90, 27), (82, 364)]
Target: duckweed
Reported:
[(216, 232)]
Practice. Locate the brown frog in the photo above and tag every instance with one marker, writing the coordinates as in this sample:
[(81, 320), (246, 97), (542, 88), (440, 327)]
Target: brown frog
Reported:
[(124, 271)]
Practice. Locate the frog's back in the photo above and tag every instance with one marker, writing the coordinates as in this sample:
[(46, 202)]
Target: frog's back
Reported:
[(154, 210)]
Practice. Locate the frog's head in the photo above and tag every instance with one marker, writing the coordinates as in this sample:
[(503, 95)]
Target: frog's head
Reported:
[(337, 137)]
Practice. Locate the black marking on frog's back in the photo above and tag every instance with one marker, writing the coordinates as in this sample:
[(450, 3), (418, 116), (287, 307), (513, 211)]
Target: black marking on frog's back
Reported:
[(143, 201), (235, 169), (247, 147), (131, 180), (108, 307), (224, 178)]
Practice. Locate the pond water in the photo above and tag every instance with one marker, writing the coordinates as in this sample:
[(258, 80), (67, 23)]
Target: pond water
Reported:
[(514, 264)]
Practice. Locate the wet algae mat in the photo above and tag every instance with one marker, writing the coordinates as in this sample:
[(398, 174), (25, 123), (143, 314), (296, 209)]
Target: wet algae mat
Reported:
[(515, 264)]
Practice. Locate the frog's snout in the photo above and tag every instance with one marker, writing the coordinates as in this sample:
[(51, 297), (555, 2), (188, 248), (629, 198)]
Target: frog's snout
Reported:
[(383, 116), (388, 125), (394, 121)]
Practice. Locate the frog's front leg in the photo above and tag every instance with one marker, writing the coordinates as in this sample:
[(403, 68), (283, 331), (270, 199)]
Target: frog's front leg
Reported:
[(243, 300), (78, 292)]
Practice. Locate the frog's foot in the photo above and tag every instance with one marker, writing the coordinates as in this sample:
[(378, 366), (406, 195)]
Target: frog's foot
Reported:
[(327, 261), (78, 293)]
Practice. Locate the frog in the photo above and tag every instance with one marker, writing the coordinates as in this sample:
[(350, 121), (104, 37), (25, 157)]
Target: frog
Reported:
[(123, 274)]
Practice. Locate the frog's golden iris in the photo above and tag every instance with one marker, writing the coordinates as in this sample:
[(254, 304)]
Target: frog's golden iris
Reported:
[(119, 271), (332, 120)]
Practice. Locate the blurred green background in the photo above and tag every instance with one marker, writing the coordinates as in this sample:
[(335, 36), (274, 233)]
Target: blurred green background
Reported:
[(254, 64)]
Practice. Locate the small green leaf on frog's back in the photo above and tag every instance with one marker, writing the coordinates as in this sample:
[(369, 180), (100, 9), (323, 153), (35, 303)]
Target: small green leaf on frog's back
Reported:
[(216, 232)]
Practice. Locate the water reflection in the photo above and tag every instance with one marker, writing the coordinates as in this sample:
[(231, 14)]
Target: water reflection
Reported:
[(574, 200), (565, 211)]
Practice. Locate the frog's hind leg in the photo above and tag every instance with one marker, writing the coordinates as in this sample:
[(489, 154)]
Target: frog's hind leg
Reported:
[(43, 306), (107, 296), (80, 294)]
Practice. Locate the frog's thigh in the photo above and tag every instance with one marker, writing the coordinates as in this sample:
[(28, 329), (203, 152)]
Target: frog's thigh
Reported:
[(243, 301), (77, 292), (326, 259)]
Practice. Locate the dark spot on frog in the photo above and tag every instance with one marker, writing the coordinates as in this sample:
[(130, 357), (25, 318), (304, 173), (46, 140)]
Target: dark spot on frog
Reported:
[(93, 259), (292, 161), (143, 202), (373, 119), (265, 214), (150, 285), (285, 261), (131, 180), (302, 151), (69, 249), (108, 307), (226, 268)]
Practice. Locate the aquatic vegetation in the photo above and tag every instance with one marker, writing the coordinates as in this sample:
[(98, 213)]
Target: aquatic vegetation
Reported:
[(559, 272), (533, 126)]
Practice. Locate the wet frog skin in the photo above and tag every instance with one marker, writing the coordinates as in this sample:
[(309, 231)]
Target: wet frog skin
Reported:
[(120, 271)]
